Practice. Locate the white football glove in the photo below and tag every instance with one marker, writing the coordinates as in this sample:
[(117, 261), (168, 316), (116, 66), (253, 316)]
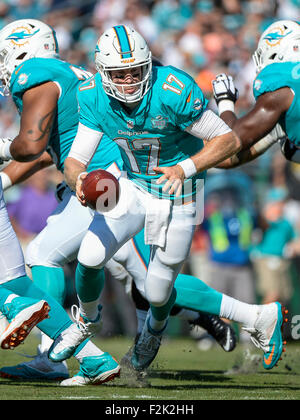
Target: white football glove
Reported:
[(4, 149), (224, 89)]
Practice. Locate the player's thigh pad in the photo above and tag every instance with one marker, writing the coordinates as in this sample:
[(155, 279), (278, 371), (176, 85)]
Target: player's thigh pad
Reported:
[(165, 263), (58, 243), (130, 257)]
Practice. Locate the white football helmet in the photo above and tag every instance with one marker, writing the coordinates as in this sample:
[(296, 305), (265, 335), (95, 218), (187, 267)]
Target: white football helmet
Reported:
[(122, 48), (21, 40), (280, 42)]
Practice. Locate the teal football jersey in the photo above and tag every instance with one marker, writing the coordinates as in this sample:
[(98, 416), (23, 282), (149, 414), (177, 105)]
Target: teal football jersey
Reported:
[(152, 134), (276, 76), (36, 71)]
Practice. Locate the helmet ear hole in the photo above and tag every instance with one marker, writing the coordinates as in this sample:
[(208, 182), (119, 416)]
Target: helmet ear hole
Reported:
[(21, 56)]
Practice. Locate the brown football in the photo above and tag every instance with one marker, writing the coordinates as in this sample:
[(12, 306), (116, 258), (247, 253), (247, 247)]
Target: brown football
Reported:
[(101, 190)]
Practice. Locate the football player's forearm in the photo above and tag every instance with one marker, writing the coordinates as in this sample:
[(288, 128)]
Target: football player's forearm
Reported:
[(229, 118), (20, 171), (217, 150), (239, 159), (72, 169)]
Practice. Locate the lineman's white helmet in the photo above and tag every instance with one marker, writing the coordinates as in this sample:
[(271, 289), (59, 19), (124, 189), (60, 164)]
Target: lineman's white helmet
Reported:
[(21, 40), (280, 42), (122, 48)]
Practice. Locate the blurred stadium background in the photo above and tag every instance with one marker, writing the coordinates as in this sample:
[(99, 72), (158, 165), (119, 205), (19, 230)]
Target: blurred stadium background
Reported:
[(241, 248)]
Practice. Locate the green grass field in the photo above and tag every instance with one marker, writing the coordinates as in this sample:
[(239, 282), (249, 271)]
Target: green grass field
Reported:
[(180, 372)]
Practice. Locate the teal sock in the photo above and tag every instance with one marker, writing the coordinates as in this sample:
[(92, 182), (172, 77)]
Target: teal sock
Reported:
[(194, 294), (89, 283), (51, 280), (59, 319), (161, 313)]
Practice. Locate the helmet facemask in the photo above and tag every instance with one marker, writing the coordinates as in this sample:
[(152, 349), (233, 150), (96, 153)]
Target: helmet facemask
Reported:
[(118, 90)]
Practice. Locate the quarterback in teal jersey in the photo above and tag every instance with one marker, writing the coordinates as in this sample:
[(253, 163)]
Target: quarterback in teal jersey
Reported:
[(158, 118), (276, 89)]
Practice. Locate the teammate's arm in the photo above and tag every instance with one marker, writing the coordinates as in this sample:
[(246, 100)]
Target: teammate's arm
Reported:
[(262, 118), (255, 125), (221, 143), (247, 155), (38, 114), (16, 172)]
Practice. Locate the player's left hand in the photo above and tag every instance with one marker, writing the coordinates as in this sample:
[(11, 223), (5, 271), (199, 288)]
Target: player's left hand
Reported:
[(224, 88), (174, 177)]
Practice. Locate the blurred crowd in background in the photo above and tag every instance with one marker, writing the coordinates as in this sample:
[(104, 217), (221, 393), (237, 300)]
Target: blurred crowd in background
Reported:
[(252, 214)]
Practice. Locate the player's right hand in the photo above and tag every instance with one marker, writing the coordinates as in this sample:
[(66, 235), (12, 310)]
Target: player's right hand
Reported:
[(3, 144), (224, 88), (79, 192)]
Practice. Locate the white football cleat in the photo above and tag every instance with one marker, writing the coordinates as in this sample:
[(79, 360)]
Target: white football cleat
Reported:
[(267, 333), (94, 370), (67, 342), (22, 314)]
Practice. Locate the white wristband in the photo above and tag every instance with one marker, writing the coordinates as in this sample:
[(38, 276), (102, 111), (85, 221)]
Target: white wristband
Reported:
[(188, 167), (225, 105), (6, 181)]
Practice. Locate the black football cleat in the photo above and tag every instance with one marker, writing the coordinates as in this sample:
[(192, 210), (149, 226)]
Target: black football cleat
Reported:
[(222, 332)]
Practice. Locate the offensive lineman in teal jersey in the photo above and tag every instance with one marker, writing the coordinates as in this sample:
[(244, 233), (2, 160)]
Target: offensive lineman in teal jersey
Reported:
[(154, 117), (44, 90), (276, 89)]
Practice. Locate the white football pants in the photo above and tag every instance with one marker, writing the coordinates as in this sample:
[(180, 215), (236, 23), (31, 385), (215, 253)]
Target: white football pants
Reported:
[(110, 231), (11, 256), (59, 242)]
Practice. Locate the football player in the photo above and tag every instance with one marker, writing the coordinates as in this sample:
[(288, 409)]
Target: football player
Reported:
[(157, 117), (276, 91), (40, 84)]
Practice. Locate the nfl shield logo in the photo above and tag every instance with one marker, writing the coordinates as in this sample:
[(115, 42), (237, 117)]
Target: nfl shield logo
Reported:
[(130, 124), (159, 122)]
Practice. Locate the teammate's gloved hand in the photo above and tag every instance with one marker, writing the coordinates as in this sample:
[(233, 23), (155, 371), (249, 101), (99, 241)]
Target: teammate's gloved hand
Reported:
[(60, 189), (224, 89), (289, 150), (4, 149)]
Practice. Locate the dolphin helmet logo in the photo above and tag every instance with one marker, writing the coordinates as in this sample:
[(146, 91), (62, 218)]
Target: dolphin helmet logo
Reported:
[(21, 35), (275, 37)]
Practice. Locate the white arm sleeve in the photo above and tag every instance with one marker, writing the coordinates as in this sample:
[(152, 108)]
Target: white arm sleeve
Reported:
[(263, 144), (208, 126), (85, 144)]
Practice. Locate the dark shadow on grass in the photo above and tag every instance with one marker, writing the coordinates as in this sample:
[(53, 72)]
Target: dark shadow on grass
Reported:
[(28, 382)]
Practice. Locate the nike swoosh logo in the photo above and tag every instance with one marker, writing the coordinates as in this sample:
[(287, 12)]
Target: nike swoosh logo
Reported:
[(17, 71), (189, 97), (268, 359), (227, 344)]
